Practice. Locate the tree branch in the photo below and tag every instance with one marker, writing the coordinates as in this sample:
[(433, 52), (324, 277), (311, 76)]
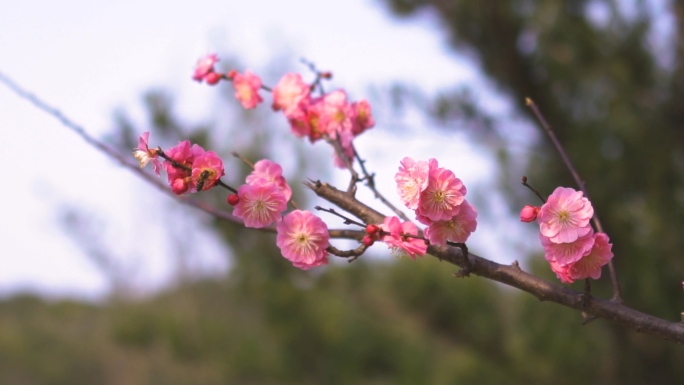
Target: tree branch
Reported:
[(513, 276)]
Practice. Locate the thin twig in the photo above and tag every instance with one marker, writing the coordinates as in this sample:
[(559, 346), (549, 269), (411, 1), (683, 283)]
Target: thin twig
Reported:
[(617, 296), (370, 182), (534, 190), (123, 160), (347, 220)]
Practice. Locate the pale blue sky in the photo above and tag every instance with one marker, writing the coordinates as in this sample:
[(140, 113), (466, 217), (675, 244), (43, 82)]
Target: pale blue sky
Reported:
[(89, 57)]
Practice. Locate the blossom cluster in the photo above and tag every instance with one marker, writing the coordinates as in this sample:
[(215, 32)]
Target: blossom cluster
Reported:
[(437, 197), (261, 201), (189, 168), (330, 116), (572, 248)]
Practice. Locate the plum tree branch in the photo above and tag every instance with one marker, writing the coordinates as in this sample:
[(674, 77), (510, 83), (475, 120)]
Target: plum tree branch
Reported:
[(513, 276)]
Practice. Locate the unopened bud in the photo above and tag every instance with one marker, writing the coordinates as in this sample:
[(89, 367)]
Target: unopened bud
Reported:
[(368, 241), (529, 213), (212, 78), (233, 199), (372, 229)]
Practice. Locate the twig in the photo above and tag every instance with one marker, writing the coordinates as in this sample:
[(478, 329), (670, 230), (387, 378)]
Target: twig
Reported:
[(534, 190), (123, 160), (370, 182), (347, 221)]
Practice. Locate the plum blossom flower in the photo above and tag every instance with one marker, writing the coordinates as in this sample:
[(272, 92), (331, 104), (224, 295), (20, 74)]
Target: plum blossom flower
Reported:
[(289, 93), (266, 171), (144, 155), (303, 239), (529, 213), (336, 114), (184, 155), (207, 169), (260, 204), (443, 195), (400, 243), (412, 179), (247, 89), (456, 229), (590, 265), (562, 272), (205, 66), (567, 253), (363, 118), (565, 216)]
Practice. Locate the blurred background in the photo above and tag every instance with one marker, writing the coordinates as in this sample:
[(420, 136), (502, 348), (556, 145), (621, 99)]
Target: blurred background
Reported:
[(104, 279)]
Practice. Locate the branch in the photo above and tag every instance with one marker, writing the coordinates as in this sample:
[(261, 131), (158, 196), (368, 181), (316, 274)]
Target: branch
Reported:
[(125, 161), (513, 276)]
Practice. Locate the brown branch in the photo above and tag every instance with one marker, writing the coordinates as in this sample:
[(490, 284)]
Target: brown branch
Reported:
[(125, 161), (513, 276)]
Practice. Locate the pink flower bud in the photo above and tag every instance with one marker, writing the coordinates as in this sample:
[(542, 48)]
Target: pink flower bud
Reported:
[(529, 213), (212, 78), (368, 241), (233, 199), (372, 229)]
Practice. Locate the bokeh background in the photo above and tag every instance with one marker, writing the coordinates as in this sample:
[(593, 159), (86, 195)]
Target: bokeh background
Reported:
[(105, 279)]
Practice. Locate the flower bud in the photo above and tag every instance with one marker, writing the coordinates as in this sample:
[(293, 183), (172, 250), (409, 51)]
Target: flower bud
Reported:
[(529, 213), (212, 78), (372, 229), (233, 199)]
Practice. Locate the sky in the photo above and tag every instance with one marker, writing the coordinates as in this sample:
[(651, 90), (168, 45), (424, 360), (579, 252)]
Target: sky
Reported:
[(90, 58)]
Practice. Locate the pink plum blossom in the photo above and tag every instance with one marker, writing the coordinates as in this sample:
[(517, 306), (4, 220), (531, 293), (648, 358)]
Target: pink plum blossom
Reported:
[(289, 93), (562, 272), (207, 169), (303, 239), (205, 66), (336, 114), (443, 195), (300, 122), (565, 216), (144, 155), (260, 204), (567, 253), (529, 213), (247, 89), (590, 265), (412, 179), (266, 171), (363, 118), (456, 229), (399, 243), (184, 154)]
